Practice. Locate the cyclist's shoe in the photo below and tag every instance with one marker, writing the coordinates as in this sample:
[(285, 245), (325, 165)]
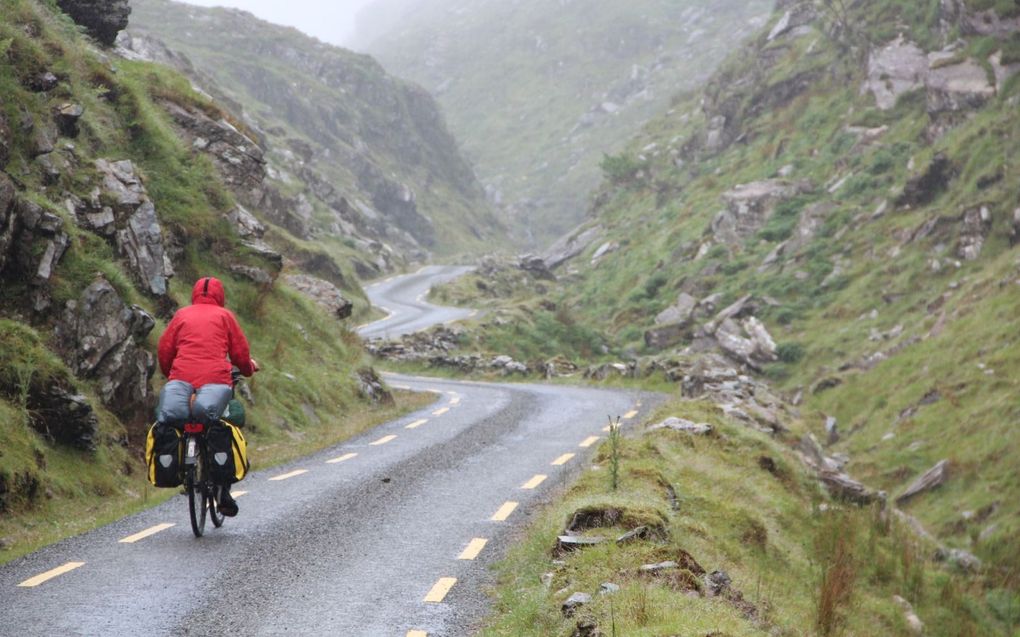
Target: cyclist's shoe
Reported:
[(228, 505)]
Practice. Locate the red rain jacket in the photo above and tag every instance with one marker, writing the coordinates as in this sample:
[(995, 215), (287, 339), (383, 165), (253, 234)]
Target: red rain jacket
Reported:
[(196, 343)]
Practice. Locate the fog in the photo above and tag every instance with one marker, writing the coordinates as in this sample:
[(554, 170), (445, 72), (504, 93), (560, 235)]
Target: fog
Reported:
[(329, 20)]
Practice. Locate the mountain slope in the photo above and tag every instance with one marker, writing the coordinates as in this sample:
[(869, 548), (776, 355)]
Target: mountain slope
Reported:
[(354, 151), (108, 213), (855, 175), (537, 91)]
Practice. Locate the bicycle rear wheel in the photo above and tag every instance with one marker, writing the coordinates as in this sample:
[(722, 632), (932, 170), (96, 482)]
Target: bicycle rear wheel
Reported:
[(198, 499), (214, 506)]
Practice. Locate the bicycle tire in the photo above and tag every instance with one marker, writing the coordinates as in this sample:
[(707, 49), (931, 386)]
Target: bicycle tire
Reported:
[(198, 500), (214, 506)]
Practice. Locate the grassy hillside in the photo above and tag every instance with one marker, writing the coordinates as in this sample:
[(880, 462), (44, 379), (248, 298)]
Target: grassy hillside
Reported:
[(307, 393), (854, 174), (362, 147), (733, 501), (537, 91)]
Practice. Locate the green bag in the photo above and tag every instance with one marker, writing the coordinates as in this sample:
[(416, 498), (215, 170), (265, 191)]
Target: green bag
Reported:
[(234, 413)]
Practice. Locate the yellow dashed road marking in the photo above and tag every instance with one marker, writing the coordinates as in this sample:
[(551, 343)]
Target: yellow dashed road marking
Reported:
[(504, 511), (290, 475), (343, 458), (440, 412), (534, 482), (48, 575), (383, 440), (238, 494), (562, 460), (417, 633), (417, 423), (455, 400), (404, 387), (630, 414), (440, 590), (141, 535), (589, 441), (473, 548)]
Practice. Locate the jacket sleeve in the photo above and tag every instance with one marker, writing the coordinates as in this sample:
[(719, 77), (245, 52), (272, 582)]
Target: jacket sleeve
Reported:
[(167, 350), (237, 346)]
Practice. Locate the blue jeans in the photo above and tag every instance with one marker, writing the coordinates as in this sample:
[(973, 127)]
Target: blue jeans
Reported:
[(176, 409)]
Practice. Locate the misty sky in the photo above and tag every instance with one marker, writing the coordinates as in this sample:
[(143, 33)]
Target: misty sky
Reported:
[(329, 20)]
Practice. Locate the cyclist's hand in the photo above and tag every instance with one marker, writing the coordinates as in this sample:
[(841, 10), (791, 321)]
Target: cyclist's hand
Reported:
[(254, 365)]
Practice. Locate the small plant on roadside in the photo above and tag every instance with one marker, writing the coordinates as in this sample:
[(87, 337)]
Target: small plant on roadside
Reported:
[(614, 453)]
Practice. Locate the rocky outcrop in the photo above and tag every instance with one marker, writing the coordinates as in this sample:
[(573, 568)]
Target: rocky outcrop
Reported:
[(571, 245), (32, 242), (102, 19), (104, 340), (239, 159), (931, 479), (747, 342), (119, 208), (371, 387), (63, 416), (324, 293), (897, 68), (749, 207)]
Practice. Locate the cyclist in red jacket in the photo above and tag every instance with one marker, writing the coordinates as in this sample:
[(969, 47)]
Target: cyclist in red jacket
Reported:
[(193, 355)]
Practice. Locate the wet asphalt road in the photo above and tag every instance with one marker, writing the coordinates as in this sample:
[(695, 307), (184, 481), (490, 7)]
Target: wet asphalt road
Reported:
[(360, 546), (403, 298)]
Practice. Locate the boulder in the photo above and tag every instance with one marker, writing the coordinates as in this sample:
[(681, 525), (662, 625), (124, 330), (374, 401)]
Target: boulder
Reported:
[(64, 417), (102, 19), (66, 117), (747, 342), (659, 338), (323, 293), (843, 487), (246, 224), (680, 312), (681, 424), (371, 387), (535, 266), (574, 603), (749, 207), (897, 68), (967, 562), (257, 276), (103, 339), (930, 479), (571, 245), (44, 82), (961, 86), (977, 223), (604, 250)]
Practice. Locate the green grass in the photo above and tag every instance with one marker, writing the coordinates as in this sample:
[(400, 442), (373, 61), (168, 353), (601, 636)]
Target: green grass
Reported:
[(782, 543)]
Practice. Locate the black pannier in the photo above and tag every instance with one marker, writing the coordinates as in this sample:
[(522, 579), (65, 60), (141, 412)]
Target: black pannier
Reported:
[(163, 456)]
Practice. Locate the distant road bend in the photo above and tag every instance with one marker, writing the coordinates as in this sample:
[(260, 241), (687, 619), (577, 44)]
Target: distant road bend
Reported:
[(403, 298), (386, 535)]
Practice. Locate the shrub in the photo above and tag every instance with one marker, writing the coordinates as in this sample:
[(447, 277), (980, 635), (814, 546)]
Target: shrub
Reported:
[(790, 352)]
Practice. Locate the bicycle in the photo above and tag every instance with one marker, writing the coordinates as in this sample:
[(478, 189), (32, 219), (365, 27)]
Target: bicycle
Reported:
[(203, 494)]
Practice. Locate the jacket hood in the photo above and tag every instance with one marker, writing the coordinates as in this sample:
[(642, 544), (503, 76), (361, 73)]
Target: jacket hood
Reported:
[(208, 291)]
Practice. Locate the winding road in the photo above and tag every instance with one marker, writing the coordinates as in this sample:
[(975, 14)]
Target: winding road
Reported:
[(387, 534), (403, 299)]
